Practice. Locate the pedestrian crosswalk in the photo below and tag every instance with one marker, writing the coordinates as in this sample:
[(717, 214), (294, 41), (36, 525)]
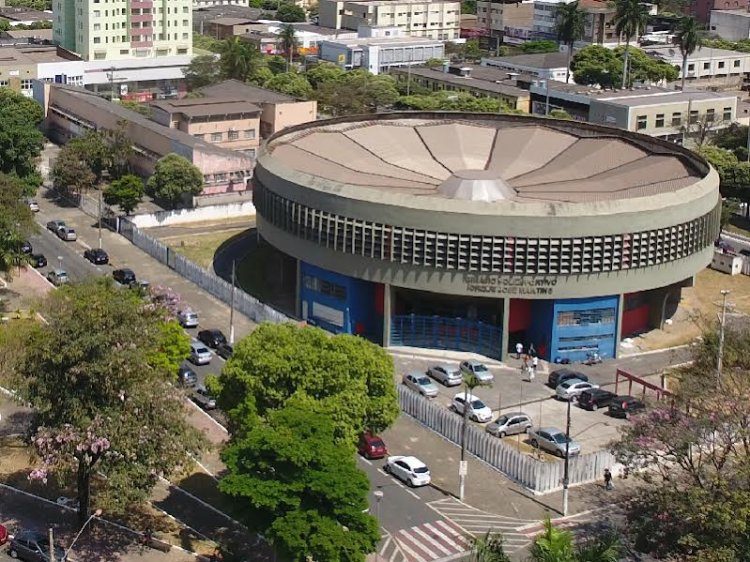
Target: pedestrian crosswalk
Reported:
[(436, 541)]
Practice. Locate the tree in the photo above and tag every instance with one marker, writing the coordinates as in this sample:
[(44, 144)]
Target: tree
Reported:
[(290, 13), (469, 7), (688, 39), (93, 149), (20, 141), (324, 72), (174, 178), (571, 22), (540, 46), (290, 83), (289, 43), (597, 65), (126, 193), (734, 138), (239, 59), (120, 150), (137, 107), (357, 391), (560, 114), (261, 76), (16, 223), (557, 545), (453, 101), (692, 455), (357, 92), (488, 548), (71, 174), (472, 50), (206, 43), (630, 19), (118, 424), (202, 71)]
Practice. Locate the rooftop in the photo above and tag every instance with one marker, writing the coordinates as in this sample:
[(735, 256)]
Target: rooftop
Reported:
[(482, 78), (392, 2), (540, 60), (242, 91), (24, 14), (484, 158), (643, 95), (201, 107), (45, 34), (29, 55), (672, 53), (386, 41), (322, 30), (232, 21), (742, 13)]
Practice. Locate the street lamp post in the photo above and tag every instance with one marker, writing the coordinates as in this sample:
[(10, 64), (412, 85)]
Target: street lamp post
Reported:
[(59, 262), (97, 513), (567, 462), (462, 464), (722, 323), (231, 306)]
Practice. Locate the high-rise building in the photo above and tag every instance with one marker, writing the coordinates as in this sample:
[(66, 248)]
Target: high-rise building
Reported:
[(124, 29)]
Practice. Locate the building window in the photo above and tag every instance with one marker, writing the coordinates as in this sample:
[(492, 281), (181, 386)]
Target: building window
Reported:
[(727, 114), (3, 83), (97, 13), (736, 64), (721, 64), (659, 120), (693, 116), (706, 65), (642, 122), (97, 26), (199, 136), (26, 84), (710, 115), (97, 40), (676, 119), (250, 152), (182, 51), (249, 133), (216, 137), (233, 135)]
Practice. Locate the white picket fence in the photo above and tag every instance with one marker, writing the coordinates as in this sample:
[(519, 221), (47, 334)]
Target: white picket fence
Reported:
[(538, 476)]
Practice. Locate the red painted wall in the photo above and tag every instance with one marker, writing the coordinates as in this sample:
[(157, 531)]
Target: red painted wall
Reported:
[(634, 320), (520, 315), (379, 298)]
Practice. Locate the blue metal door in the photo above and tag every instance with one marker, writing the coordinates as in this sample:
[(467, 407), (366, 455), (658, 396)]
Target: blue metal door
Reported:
[(439, 332)]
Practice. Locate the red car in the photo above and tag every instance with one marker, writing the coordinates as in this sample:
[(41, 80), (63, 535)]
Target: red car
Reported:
[(3, 535), (372, 447)]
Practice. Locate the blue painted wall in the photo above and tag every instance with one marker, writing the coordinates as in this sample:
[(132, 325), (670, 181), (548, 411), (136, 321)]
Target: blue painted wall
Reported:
[(338, 303), (582, 326)]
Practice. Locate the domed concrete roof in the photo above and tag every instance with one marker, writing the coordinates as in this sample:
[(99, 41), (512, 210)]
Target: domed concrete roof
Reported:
[(476, 185)]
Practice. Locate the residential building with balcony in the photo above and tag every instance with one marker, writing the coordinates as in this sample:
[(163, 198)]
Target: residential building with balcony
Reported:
[(436, 19), (124, 29)]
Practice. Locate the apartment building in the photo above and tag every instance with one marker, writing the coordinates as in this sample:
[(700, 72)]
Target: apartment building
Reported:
[(124, 29), (506, 20), (230, 123), (20, 66), (435, 19), (380, 54)]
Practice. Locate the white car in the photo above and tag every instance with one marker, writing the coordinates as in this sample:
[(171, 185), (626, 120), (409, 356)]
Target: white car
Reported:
[(420, 383), (187, 318), (477, 410), (479, 370), (199, 354), (572, 388), (410, 470), (449, 376)]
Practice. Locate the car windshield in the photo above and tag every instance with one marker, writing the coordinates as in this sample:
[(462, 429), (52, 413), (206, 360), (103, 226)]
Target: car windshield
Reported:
[(201, 350), (559, 438), (424, 381), (477, 404), (502, 420), (377, 443), (479, 368), (421, 470)]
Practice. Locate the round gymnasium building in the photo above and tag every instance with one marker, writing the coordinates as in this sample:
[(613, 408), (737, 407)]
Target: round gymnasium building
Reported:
[(474, 232)]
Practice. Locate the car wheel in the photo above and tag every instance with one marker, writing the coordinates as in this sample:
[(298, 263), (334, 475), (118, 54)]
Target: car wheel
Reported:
[(559, 454), (387, 468), (535, 443), (13, 553), (501, 434), (410, 483), (474, 418), (594, 407)]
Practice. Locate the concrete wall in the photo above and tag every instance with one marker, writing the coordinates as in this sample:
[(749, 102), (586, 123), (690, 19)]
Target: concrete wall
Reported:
[(187, 216), (278, 116), (731, 27)]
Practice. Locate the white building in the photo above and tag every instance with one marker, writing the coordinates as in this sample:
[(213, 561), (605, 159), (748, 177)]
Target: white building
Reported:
[(380, 49), (706, 63), (547, 66), (732, 25), (436, 19), (197, 4)]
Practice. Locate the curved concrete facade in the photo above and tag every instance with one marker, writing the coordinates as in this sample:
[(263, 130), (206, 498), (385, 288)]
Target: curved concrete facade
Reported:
[(498, 206)]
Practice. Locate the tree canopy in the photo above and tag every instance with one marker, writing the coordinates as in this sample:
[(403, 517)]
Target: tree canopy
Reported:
[(16, 223), (174, 178), (20, 140), (126, 193), (203, 70), (290, 83), (597, 65), (540, 46), (289, 12), (117, 414), (453, 101), (346, 377), (356, 92)]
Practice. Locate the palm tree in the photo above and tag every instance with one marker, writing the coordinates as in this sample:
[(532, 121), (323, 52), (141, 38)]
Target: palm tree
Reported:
[(238, 59), (570, 28), (289, 43), (688, 37), (630, 18), (556, 545)]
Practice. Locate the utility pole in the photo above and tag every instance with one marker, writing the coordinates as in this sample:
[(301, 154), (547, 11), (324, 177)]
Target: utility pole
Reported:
[(462, 465), (51, 544), (546, 103), (722, 323), (408, 73), (100, 217), (567, 462), (112, 83), (231, 303)]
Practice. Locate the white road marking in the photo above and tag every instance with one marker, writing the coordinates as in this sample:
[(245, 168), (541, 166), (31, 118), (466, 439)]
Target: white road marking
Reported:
[(432, 541), (405, 536), (368, 461), (458, 537), (387, 542), (413, 493), (446, 538)]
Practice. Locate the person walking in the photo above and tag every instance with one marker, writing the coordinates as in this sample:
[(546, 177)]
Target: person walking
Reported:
[(532, 350), (519, 350), (534, 365), (608, 479)]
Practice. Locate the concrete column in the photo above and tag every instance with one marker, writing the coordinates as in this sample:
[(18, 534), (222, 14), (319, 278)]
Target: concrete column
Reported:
[(618, 327), (298, 290), (387, 314), (506, 323)]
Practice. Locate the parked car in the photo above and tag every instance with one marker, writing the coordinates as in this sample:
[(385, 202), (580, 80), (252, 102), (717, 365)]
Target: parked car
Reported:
[(3, 535), (224, 350), (199, 354), (449, 376), (509, 424), (371, 446), (595, 398), (559, 376), (186, 376), (124, 276), (625, 406), (187, 318), (67, 233), (33, 205), (58, 277), (420, 383), (38, 260), (477, 410), (479, 370), (33, 546), (203, 398), (410, 470), (553, 441), (26, 247), (212, 338), (96, 256), (54, 225), (571, 388)]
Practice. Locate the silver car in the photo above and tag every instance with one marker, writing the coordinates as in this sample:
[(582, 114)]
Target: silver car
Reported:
[(479, 370), (571, 389), (420, 383), (187, 318), (553, 441), (67, 233), (58, 277), (449, 376), (199, 354), (509, 424)]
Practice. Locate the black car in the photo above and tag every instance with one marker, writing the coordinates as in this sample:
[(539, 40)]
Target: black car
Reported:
[(38, 260), (625, 406), (186, 376), (595, 398), (96, 256), (212, 338), (559, 376), (26, 247), (33, 546), (124, 276), (224, 350)]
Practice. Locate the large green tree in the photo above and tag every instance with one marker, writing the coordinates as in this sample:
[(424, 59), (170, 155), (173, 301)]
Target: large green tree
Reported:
[(346, 377), (16, 223), (571, 22), (98, 374), (20, 141), (597, 65), (357, 92), (289, 43), (299, 485), (71, 173), (126, 193), (290, 83), (174, 178), (631, 17), (239, 59), (289, 12), (203, 70), (688, 37), (453, 101), (324, 72)]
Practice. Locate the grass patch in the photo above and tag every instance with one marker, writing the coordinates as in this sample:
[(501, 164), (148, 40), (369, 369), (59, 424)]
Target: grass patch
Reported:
[(200, 248)]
